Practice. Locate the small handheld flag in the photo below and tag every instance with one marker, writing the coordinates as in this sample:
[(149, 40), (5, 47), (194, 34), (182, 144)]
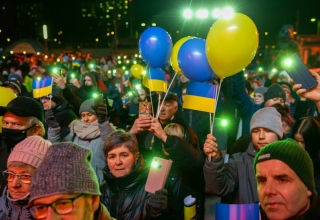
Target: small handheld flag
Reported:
[(42, 87), (200, 97)]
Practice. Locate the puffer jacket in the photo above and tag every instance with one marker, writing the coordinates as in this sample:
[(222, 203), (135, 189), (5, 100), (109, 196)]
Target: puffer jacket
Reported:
[(9, 211), (125, 197)]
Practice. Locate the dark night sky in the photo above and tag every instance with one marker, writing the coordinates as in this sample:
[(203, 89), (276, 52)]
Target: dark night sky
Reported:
[(268, 15)]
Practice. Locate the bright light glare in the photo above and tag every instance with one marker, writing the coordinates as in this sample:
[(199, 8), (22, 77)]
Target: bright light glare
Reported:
[(288, 62), (138, 86), (144, 72), (55, 70), (246, 75), (274, 70), (224, 122), (313, 19), (202, 14), (216, 13), (260, 69), (154, 164), (72, 75), (187, 13), (130, 93), (227, 12)]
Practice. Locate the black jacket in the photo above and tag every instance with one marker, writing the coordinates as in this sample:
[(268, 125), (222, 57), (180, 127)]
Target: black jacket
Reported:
[(125, 197), (64, 115)]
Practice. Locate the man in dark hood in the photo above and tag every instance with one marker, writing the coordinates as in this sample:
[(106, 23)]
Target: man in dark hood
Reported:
[(88, 86)]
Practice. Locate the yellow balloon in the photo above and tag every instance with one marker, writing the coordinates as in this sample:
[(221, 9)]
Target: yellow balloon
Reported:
[(6, 96), (174, 54), (231, 44), (136, 71), (145, 81)]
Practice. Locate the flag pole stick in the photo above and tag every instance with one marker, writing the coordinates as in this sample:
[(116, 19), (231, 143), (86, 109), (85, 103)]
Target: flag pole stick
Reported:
[(165, 95), (215, 108)]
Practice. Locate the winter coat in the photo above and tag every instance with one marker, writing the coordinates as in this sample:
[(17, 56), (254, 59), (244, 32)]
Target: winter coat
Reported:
[(185, 177), (313, 213), (235, 180), (9, 211), (71, 95), (125, 197), (246, 108), (64, 115), (102, 213), (98, 161)]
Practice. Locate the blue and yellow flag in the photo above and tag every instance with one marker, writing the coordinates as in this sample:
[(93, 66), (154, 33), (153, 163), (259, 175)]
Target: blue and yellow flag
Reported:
[(42, 87), (200, 97), (157, 80)]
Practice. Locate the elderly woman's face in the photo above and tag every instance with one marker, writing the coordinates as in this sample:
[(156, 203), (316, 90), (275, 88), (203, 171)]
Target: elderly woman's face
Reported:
[(120, 161)]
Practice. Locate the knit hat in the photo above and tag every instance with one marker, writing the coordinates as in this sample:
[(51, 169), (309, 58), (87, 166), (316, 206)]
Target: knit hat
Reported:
[(292, 154), (275, 91), (30, 151), (14, 84), (57, 94), (16, 76), (65, 169), (267, 117), (86, 106), (261, 90)]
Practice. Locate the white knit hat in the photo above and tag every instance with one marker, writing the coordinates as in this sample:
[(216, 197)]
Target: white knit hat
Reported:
[(30, 151)]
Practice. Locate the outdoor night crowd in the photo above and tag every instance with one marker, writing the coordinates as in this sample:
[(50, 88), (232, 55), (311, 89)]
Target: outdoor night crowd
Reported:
[(74, 155)]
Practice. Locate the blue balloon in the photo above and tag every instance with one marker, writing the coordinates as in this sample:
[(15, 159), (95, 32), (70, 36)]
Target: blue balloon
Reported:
[(155, 46), (193, 61)]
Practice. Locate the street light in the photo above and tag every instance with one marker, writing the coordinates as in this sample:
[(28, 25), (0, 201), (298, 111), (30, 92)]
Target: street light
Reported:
[(227, 12), (45, 37), (187, 13)]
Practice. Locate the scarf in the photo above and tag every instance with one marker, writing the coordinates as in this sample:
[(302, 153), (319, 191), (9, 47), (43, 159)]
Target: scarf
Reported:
[(85, 131)]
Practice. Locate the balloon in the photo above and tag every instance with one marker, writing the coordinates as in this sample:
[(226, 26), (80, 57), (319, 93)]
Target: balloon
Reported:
[(155, 46), (193, 61), (136, 71), (145, 81), (6, 96), (231, 44), (174, 54)]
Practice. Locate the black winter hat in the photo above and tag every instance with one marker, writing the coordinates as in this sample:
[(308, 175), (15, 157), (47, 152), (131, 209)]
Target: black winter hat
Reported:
[(24, 107), (275, 91)]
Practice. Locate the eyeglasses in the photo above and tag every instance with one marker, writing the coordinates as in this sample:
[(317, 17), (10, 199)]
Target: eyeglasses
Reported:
[(61, 207), (25, 178)]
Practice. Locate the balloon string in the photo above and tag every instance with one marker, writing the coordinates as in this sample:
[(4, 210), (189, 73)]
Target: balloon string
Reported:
[(165, 95), (215, 108), (158, 110), (150, 91)]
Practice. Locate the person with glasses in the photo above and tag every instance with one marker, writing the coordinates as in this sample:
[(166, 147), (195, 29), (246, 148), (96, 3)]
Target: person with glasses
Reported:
[(22, 162), (65, 186)]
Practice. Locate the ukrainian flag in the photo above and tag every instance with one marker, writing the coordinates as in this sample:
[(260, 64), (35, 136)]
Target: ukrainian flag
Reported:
[(42, 87), (157, 80), (200, 97)]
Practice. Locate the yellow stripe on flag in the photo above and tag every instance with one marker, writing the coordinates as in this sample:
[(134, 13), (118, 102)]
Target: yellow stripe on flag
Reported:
[(38, 93), (157, 85), (199, 103)]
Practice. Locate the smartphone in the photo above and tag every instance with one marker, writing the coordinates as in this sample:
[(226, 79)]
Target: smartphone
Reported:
[(97, 100), (299, 72), (220, 132), (144, 109), (126, 100), (158, 174)]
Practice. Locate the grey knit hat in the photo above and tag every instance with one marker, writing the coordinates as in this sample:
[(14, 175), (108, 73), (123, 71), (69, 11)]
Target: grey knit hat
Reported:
[(86, 106), (267, 117), (65, 169), (261, 90), (30, 151)]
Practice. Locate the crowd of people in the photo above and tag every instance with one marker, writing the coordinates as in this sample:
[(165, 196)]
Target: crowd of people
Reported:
[(84, 151)]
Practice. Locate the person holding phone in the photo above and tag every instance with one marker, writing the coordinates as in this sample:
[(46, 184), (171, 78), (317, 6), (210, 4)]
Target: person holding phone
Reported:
[(90, 131), (126, 176), (234, 181)]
